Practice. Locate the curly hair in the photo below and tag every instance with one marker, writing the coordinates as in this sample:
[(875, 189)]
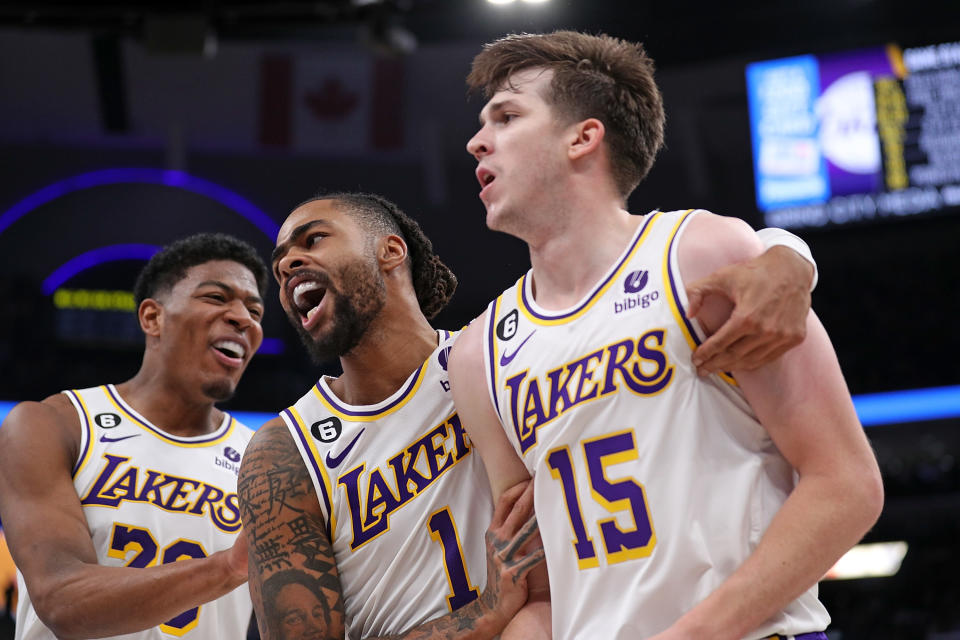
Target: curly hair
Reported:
[(170, 265), (594, 76), (433, 281)]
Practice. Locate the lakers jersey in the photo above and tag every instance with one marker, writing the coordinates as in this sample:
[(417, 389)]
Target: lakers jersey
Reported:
[(656, 483), (151, 498), (405, 498)]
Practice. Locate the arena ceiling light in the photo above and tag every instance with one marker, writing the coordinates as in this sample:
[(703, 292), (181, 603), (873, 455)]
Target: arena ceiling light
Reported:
[(877, 560), (513, 1)]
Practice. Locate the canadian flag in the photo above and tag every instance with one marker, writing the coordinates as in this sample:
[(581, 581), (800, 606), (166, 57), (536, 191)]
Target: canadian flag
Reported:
[(332, 103)]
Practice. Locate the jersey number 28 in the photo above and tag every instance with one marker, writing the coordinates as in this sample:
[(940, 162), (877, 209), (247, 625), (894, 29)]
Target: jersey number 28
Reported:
[(127, 538)]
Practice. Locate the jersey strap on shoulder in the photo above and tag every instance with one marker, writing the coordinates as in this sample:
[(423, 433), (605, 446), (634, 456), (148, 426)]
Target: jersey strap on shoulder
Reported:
[(313, 460)]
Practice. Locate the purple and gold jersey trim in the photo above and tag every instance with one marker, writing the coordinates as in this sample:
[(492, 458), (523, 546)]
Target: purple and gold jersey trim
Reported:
[(676, 303), (87, 431), (375, 412), (525, 291), (691, 332), (302, 429), (491, 354), (222, 433)]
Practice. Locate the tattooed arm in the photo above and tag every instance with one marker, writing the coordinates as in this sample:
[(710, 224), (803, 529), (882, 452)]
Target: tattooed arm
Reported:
[(293, 574), (513, 549)]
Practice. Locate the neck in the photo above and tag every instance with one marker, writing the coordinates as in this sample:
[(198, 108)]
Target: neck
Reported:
[(395, 344), (568, 261), (166, 403)]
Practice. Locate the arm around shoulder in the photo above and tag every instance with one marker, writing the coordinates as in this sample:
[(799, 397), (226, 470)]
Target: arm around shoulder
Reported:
[(770, 294), (802, 401)]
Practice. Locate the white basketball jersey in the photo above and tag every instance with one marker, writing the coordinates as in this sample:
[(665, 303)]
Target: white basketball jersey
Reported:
[(151, 498), (405, 498), (652, 484)]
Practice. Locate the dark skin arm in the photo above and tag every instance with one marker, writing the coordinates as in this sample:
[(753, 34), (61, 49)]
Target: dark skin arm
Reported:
[(285, 532), (771, 297), (287, 536)]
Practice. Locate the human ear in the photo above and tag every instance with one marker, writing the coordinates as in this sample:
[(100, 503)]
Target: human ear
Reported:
[(150, 314), (391, 253), (587, 137)]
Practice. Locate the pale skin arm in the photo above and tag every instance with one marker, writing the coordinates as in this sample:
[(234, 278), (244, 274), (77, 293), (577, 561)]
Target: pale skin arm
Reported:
[(771, 297), (504, 467), (48, 537), (802, 401), (288, 541)]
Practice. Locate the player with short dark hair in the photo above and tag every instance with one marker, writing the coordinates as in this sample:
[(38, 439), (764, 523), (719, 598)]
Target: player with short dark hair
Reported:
[(119, 502), (169, 266)]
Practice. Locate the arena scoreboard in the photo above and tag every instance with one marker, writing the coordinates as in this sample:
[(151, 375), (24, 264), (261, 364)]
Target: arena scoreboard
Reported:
[(856, 136)]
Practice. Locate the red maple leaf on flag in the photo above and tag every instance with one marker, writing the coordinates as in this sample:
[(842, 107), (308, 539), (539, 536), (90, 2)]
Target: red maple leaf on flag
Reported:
[(331, 100)]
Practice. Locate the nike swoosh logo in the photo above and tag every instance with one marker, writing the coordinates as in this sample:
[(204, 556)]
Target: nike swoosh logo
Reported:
[(507, 359), (109, 439), (334, 461)]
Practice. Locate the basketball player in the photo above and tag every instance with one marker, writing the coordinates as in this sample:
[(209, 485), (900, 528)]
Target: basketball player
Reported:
[(680, 506), (119, 502), (366, 493)]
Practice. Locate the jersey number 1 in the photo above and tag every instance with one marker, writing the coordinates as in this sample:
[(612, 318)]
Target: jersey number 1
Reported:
[(444, 531)]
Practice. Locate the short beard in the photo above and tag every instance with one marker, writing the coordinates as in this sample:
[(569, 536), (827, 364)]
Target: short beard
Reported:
[(218, 390), (353, 311)]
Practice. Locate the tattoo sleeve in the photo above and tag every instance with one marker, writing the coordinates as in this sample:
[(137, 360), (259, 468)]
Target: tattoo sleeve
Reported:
[(293, 574), (294, 581)]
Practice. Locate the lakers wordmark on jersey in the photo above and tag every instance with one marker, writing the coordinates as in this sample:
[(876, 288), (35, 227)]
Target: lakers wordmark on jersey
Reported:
[(405, 498), (657, 483), (151, 498)]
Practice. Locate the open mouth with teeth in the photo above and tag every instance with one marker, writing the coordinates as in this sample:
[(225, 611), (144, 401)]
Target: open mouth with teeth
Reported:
[(307, 297), (231, 350)]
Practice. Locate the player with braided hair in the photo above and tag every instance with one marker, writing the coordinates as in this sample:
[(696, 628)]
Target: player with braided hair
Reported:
[(362, 502), (433, 281)]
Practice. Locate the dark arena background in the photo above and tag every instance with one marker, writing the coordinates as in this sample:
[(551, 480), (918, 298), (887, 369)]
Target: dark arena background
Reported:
[(126, 125)]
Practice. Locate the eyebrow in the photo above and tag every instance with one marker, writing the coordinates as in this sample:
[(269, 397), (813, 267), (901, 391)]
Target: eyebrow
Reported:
[(495, 107), (297, 233), (228, 289)]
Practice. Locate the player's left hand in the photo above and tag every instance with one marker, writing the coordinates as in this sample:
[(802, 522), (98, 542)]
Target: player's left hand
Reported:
[(771, 297), (513, 549)]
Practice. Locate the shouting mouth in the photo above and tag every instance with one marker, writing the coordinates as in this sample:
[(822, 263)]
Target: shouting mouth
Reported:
[(307, 296)]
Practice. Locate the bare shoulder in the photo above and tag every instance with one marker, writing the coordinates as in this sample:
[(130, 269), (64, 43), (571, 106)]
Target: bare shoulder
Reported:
[(271, 452), (711, 241), (467, 353), (273, 475), (50, 423), (272, 439)]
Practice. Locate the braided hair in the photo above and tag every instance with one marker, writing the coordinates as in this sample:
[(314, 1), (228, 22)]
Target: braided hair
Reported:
[(433, 281)]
